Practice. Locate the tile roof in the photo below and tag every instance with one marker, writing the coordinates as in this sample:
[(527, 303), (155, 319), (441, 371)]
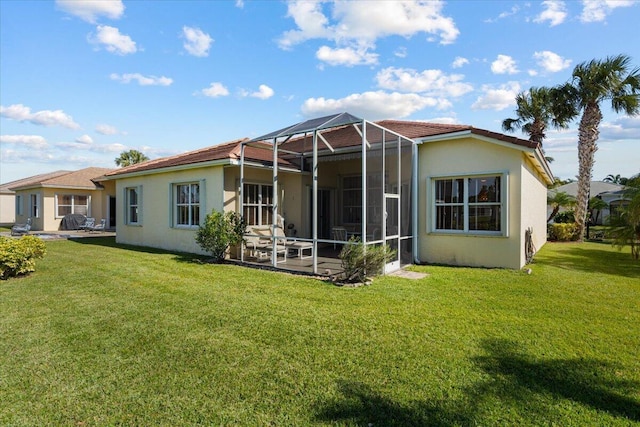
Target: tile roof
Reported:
[(229, 150), (83, 179), (6, 187)]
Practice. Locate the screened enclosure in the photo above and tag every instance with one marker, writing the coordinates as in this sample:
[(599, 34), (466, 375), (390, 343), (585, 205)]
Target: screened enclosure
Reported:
[(353, 180)]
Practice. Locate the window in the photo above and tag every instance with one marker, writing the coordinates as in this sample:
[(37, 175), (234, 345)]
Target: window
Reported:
[(187, 205), (19, 204), (71, 204), (469, 204), (352, 199), (34, 205), (133, 204), (258, 204)]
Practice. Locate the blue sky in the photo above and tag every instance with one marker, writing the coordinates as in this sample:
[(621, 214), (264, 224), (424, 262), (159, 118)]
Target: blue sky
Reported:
[(81, 81)]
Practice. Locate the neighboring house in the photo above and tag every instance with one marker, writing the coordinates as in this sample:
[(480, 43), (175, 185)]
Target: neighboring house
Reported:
[(8, 204), (435, 193), (610, 193), (47, 198)]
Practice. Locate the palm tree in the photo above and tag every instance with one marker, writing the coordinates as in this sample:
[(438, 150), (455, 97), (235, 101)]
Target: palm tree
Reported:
[(625, 226), (595, 82), (131, 157), (557, 200), (536, 110)]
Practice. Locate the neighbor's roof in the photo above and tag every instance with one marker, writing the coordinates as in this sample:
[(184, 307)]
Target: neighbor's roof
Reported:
[(596, 187), (82, 179), (6, 188), (226, 151)]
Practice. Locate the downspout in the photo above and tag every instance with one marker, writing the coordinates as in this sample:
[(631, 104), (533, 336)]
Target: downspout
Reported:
[(414, 197), (242, 147)]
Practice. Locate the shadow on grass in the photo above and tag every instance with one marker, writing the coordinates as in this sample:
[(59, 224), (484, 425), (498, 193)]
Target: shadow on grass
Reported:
[(110, 242), (519, 388), (519, 377), (591, 259), (363, 406)]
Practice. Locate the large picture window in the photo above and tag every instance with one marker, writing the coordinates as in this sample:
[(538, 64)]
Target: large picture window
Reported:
[(71, 204), (133, 200), (187, 204), (258, 204), (469, 204)]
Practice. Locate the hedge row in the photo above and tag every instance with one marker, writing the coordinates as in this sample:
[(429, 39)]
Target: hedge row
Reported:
[(18, 256)]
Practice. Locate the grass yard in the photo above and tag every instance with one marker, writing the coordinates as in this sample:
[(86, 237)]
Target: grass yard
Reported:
[(107, 335)]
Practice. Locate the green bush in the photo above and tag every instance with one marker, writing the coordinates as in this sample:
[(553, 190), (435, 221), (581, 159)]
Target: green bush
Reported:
[(564, 217), (18, 256), (562, 232), (219, 231), (360, 262)]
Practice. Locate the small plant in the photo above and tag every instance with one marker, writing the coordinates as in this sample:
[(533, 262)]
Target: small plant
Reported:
[(219, 231), (360, 262), (18, 256), (564, 217), (563, 232)]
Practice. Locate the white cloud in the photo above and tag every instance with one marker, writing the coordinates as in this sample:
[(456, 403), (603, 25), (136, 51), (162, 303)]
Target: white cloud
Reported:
[(497, 98), (90, 10), (240, 4), (84, 139), (264, 92), (597, 10), (355, 28), (106, 129), (622, 128), (112, 40), (555, 12), (551, 62), (373, 105), (215, 90), (31, 141), (504, 64), (22, 113), (503, 15), (142, 80), (197, 43), (346, 56), (429, 82), (401, 52), (459, 62)]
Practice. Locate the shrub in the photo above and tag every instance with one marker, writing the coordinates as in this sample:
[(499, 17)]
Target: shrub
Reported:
[(219, 231), (18, 256), (564, 217), (563, 232), (360, 262)]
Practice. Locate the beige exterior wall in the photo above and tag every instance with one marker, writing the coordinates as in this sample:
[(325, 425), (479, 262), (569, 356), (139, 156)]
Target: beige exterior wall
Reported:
[(525, 207), (47, 219), (155, 227), (7, 209)]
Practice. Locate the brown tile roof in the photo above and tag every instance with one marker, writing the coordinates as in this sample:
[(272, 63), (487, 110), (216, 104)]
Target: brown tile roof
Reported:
[(30, 180), (347, 136), (83, 179), (229, 150)]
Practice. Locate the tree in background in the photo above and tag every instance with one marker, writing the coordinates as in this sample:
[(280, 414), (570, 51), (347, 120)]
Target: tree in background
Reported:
[(594, 82), (557, 200), (131, 157), (616, 179), (536, 110), (625, 225)]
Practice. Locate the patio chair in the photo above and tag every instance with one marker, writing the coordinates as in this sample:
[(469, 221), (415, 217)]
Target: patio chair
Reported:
[(340, 234), (20, 229), (87, 224), (98, 227)]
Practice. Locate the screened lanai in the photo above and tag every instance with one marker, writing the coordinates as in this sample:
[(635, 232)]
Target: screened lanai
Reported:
[(351, 178)]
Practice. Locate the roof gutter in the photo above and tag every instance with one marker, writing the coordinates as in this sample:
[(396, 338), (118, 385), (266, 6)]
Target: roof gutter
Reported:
[(220, 162)]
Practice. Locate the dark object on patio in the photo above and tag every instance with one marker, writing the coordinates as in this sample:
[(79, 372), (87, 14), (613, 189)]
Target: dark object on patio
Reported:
[(72, 222)]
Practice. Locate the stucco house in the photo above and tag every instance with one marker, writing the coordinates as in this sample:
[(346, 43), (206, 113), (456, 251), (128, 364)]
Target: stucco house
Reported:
[(47, 198), (435, 193), (610, 193)]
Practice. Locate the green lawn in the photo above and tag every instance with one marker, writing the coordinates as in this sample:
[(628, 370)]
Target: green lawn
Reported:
[(109, 335)]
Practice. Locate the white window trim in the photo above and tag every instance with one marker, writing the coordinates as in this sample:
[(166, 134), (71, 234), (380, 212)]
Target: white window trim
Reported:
[(73, 198), (260, 204), (37, 205), (173, 220), (504, 204), (127, 206)]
